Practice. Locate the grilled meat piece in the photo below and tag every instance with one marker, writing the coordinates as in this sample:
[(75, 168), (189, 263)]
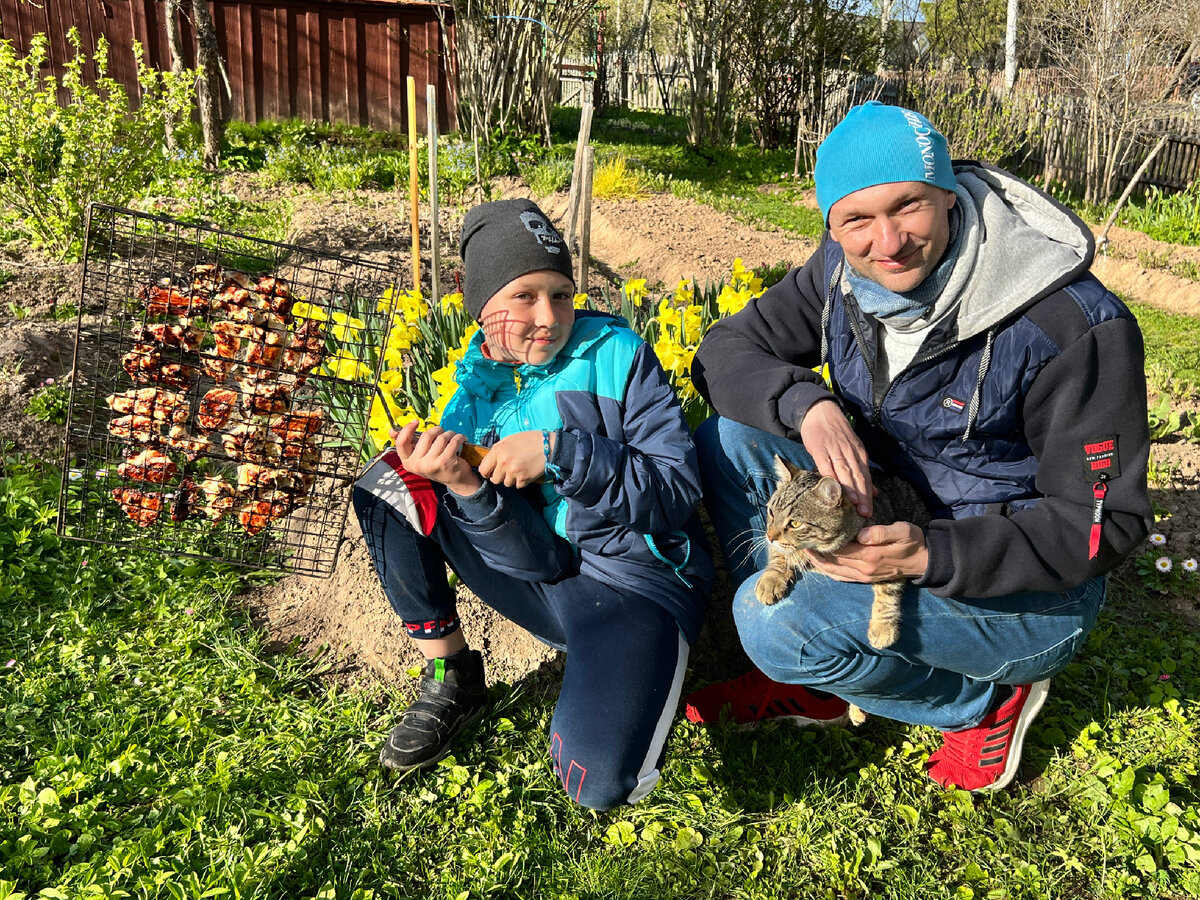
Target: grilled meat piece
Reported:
[(160, 405), (241, 304), (251, 442), (143, 508), (258, 514), (297, 426), (278, 295), (264, 397), (145, 366), (178, 438), (264, 349), (252, 478), (183, 501), (142, 429), (307, 348), (150, 465), (206, 278), (162, 300), (229, 337), (186, 336), (218, 498), (218, 369), (215, 408)]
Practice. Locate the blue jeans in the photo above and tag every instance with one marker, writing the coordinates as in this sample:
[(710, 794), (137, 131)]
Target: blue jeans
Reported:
[(953, 653)]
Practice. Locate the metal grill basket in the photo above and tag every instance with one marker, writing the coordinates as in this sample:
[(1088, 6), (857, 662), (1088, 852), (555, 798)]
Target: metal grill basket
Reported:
[(221, 393)]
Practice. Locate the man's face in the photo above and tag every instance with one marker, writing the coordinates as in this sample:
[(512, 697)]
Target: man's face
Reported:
[(894, 234)]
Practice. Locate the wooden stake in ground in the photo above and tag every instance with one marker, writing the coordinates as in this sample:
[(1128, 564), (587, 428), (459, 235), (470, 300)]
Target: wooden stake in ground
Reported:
[(414, 191), (582, 141), (435, 262), (585, 226), (1102, 239)]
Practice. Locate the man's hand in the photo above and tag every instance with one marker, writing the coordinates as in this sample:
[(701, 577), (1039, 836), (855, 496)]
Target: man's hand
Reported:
[(880, 553), (838, 453), (434, 455), (516, 460)]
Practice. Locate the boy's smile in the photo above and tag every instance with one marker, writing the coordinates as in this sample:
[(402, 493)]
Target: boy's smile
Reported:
[(528, 321)]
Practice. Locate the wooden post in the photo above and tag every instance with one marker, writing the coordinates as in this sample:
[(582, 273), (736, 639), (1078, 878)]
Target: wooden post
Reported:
[(435, 262), (585, 226), (1102, 239), (573, 198), (414, 192)]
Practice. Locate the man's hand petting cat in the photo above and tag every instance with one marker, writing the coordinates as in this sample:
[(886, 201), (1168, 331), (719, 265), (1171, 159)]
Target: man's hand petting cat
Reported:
[(837, 452), (880, 553)]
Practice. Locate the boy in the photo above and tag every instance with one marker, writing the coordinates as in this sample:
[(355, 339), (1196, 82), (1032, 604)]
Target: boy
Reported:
[(579, 524)]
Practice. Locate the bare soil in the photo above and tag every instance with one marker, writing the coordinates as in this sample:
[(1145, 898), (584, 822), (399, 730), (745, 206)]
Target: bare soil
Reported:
[(661, 239)]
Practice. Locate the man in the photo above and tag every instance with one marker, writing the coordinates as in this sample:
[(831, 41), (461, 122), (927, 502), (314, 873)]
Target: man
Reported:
[(970, 352)]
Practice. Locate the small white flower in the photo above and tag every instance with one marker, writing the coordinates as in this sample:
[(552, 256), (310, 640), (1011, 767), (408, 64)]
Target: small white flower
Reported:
[(1158, 540), (1163, 564), (1189, 565), (74, 474), (137, 681)]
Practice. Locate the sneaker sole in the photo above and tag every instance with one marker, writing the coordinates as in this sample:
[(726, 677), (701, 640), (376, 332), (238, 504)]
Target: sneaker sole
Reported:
[(393, 766), (1038, 691)]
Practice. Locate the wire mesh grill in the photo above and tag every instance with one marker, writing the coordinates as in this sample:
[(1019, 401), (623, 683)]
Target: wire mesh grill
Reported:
[(221, 393)]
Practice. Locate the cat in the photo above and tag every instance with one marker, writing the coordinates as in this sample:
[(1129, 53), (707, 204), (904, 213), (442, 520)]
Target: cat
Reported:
[(809, 511)]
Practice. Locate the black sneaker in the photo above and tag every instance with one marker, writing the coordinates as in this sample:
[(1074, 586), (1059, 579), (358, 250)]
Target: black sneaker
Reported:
[(453, 695)]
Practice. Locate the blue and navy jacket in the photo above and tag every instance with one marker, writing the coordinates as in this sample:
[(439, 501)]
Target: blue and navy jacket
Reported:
[(624, 508), (1005, 431)]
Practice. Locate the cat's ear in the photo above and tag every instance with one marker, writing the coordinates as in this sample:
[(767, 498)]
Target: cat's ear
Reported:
[(786, 470), (829, 492)]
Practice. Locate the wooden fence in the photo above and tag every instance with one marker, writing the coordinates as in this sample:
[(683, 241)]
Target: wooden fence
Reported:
[(1055, 122), (326, 61)]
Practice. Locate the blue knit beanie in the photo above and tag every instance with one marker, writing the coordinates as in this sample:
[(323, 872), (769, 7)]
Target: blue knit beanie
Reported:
[(878, 144)]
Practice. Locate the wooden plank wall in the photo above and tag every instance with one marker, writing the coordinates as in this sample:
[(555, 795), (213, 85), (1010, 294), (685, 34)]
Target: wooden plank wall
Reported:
[(337, 62)]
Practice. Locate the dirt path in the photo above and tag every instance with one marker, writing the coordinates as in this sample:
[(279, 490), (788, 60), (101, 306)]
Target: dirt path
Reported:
[(661, 239)]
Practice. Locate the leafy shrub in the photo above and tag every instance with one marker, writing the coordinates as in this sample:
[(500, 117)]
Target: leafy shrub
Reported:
[(55, 160), (615, 179)]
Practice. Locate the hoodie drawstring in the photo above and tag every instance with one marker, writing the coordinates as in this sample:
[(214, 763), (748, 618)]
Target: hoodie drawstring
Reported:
[(984, 361)]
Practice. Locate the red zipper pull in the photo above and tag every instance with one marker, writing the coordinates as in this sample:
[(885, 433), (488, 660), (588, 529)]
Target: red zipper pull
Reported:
[(1099, 491)]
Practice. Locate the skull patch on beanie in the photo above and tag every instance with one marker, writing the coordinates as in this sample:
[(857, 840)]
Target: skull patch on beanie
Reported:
[(503, 240)]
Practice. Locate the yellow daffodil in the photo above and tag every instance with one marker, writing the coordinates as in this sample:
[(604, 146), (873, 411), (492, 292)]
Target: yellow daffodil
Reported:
[(635, 290), (693, 325), (743, 277), (392, 381), (731, 300), (684, 294), (346, 328), (581, 301), (387, 302), (304, 310), (345, 367), (400, 338), (451, 302), (412, 306), (668, 315)]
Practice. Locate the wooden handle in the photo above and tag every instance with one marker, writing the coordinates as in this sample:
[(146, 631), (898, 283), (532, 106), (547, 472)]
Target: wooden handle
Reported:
[(473, 454)]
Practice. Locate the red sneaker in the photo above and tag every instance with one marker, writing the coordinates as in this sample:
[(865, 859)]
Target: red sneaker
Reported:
[(754, 697), (986, 757)]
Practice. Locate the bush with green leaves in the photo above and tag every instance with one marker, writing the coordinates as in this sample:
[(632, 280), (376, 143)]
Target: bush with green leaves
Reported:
[(56, 159), (49, 403), (1173, 217)]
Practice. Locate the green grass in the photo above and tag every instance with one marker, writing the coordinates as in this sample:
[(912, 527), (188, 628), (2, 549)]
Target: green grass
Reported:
[(152, 747), (1172, 348)]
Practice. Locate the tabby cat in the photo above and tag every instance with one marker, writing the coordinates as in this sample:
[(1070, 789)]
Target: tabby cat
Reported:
[(809, 511)]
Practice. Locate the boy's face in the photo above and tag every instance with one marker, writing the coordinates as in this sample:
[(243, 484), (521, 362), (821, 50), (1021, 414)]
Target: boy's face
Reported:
[(529, 319)]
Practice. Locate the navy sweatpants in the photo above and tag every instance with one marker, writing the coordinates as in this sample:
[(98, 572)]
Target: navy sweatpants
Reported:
[(625, 655)]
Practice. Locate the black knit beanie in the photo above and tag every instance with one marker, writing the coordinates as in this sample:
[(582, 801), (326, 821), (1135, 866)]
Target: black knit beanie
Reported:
[(504, 240)]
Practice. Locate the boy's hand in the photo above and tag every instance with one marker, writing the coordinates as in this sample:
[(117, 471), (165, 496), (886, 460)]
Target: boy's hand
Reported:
[(516, 460), (435, 456)]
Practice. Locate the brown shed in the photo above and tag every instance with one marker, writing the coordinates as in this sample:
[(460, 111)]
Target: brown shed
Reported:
[(341, 62)]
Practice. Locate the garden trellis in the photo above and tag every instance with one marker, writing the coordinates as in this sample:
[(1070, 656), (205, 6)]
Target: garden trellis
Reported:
[(221, 393)]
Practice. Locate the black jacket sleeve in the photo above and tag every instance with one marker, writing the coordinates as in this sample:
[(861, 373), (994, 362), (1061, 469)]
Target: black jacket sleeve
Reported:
[(1095, 389), (756, 366)]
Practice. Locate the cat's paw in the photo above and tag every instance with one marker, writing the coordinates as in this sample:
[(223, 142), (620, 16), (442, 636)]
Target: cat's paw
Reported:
[(883, 634), (857, 716), (771, 588)]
